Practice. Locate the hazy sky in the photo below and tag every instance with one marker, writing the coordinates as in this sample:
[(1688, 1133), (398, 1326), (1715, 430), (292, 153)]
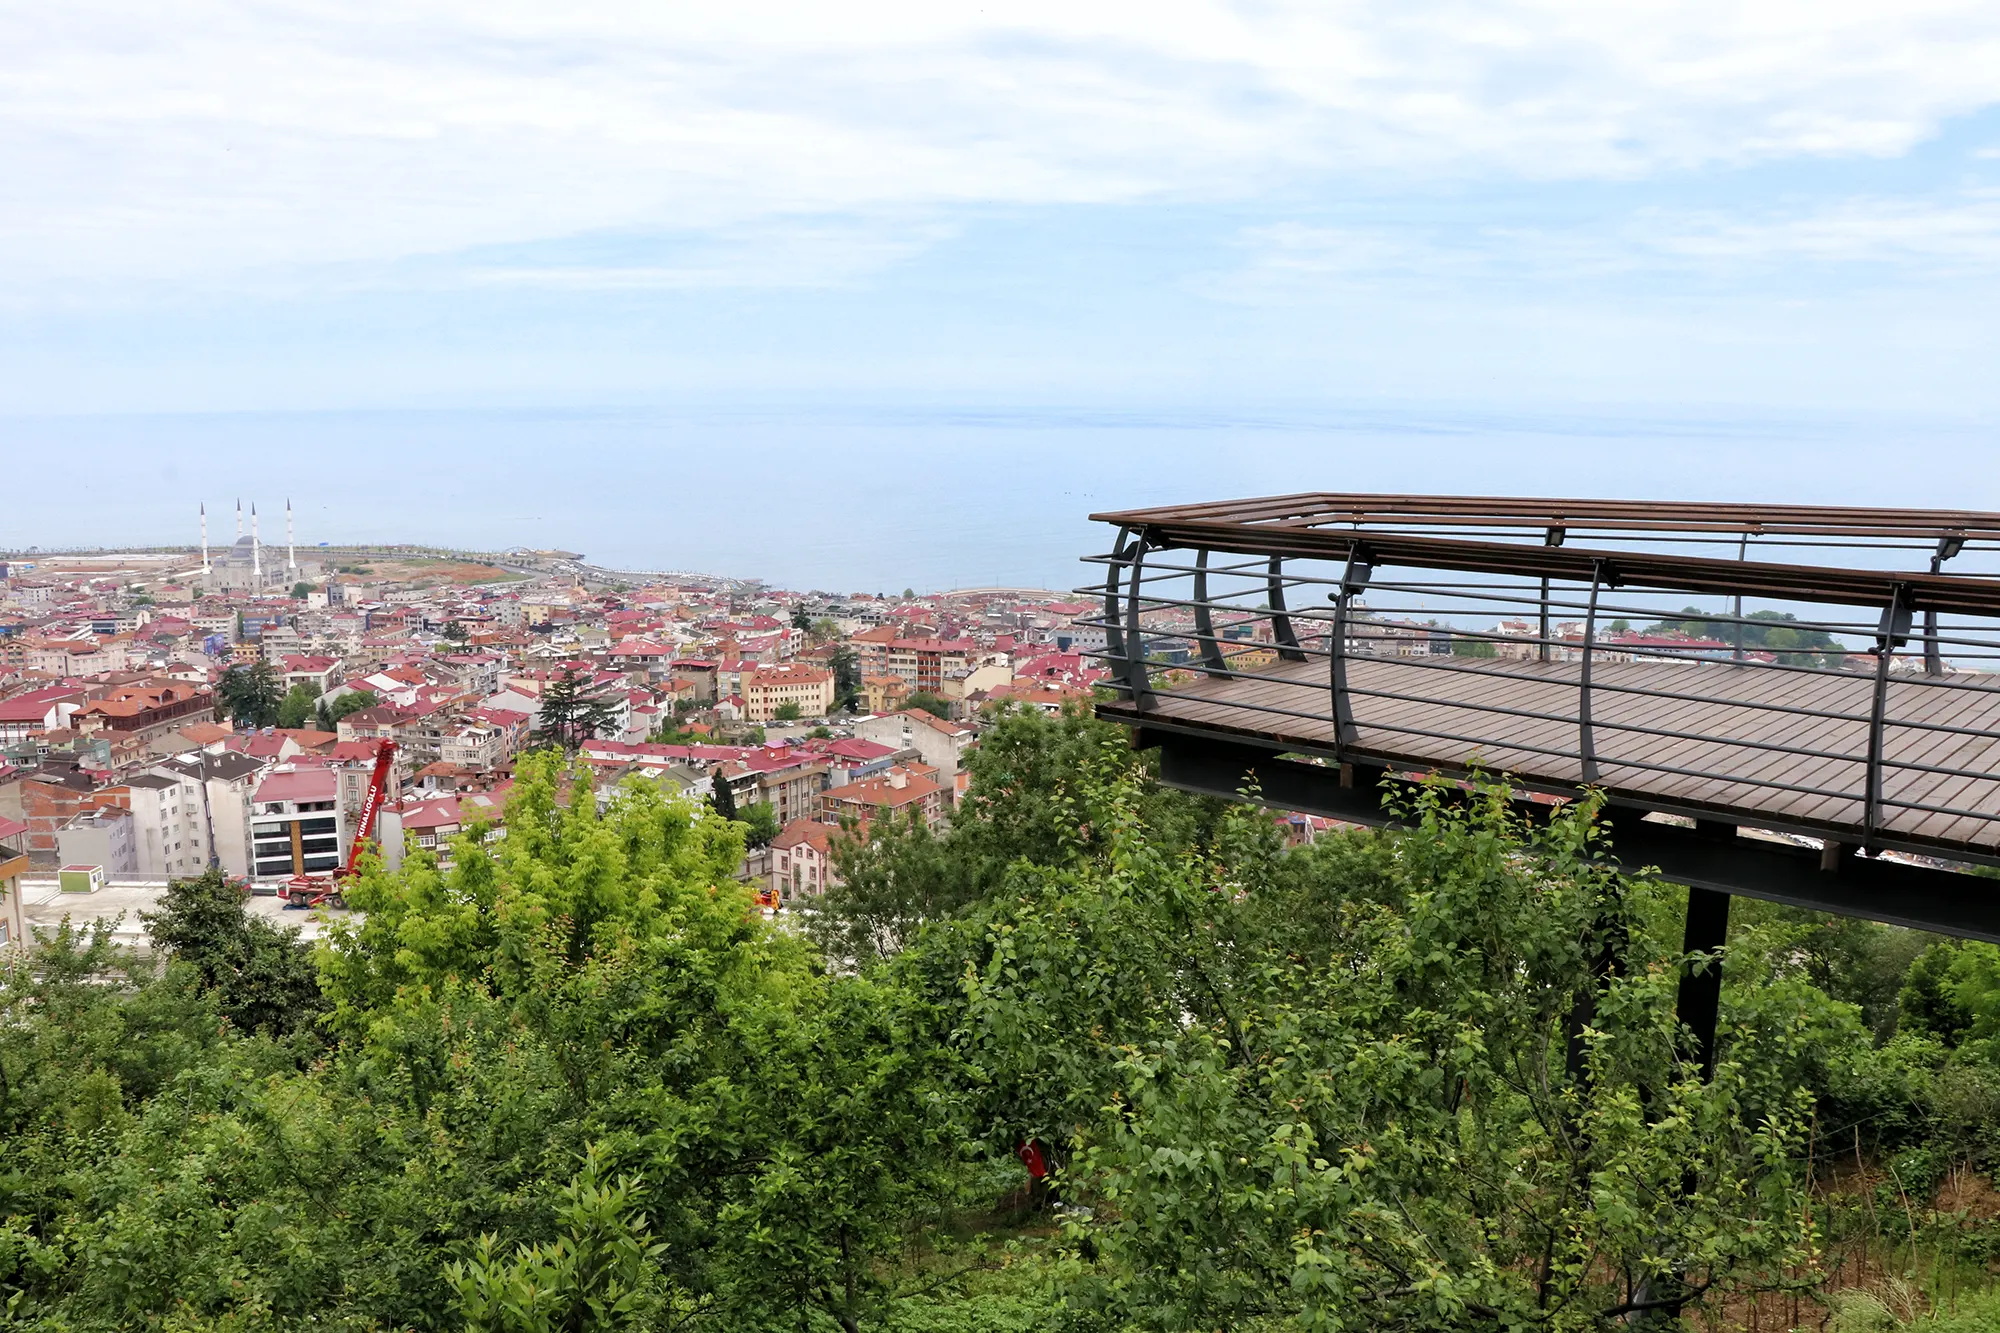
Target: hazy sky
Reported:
[(226, 205)]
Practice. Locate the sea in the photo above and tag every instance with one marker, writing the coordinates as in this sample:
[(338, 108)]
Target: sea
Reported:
[(877, 499)]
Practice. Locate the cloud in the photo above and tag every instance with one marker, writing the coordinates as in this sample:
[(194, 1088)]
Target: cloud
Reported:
[(211, 137), (1292, 261)]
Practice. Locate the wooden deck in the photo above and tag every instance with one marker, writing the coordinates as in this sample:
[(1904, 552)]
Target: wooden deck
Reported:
[(1758, 747)]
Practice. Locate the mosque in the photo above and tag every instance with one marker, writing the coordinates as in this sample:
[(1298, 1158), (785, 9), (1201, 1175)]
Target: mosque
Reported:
[(243, 566)]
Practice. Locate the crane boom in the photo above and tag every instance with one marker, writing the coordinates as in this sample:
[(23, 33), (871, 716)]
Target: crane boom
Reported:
[(378, 786)]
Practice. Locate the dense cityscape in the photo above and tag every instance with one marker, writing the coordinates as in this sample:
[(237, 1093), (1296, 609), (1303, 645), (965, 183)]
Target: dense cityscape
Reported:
[(164, 713)]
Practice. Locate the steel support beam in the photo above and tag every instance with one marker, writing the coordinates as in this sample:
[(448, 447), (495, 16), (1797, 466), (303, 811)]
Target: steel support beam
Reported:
[(1948, 902)]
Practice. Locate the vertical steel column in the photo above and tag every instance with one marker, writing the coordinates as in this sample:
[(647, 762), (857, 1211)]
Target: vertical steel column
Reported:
[(1352, 580), (1742, 553), (1894, 630), (1137, 681), (1114, 637), (1948, 546), (1554, 537), (1700, 997), (1281, 622), (1586, 736), (1204, 623)]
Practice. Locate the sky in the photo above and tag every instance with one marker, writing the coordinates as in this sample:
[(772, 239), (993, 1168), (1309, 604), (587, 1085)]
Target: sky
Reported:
[(288, 218)]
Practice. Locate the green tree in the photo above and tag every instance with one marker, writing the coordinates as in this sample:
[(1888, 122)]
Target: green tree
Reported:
[(800, 620), (929, 703), (301, 590), (721, 798), (1466, 647), (1929, 1000), (786, 712), (1377, 1124), (846, 666), (347, 705), (570, 713), (761, 823), (1028, 775), (262, 977), (455, 632), (299, 706), (251, 694)]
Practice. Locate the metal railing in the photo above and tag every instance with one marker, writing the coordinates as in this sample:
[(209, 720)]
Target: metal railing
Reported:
[(1683, 657)]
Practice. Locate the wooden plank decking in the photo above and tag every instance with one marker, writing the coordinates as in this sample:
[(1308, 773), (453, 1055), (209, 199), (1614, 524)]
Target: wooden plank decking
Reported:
[(1760, 747)]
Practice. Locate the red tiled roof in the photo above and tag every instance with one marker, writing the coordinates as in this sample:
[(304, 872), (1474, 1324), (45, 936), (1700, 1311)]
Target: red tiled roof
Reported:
[(299, 784), (806, 832)]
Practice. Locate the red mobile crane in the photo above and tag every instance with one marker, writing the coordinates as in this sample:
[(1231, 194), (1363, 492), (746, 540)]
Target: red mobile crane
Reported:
[(314, 891)]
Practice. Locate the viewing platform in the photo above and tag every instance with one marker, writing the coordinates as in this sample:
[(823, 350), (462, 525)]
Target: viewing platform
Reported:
[(1823, 676)]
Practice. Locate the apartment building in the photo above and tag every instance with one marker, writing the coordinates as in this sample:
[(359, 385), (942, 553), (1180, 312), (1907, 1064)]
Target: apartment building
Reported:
[(295, 823), (769, 689), (925, 663), (193, 810), (892, 795)]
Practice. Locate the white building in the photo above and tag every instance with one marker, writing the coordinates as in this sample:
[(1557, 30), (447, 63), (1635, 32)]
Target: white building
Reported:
[(193, 810), (101, 837), (937, 742), (296, 826)]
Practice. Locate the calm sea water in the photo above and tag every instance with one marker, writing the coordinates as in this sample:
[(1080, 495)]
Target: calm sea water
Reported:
[(855, 500)]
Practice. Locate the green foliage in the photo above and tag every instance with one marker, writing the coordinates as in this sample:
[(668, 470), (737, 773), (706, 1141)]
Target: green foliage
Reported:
[(299, 707), (787, 712), (760, 823), (260, 976), (1767, 631), (1424, 1081), (1027, 777), (1929, 1000), (349, 704), (845, 664), (570, 714), (251, 694), (1464, 647), (722, 798), (1378, 1125), (599, 1274), (930, 703), (821, 733), (301, 590)]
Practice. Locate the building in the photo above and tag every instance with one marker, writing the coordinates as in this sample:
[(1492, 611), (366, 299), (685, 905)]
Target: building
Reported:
[(939, 743), (53, 795), (926, 662), (802, 859), (884, 694), (100, 837), (145, 711), (295, 823), (13, 865), (33, 713), (892, 794), (789, 781), (319, 673), (193, 811), (768, 689)]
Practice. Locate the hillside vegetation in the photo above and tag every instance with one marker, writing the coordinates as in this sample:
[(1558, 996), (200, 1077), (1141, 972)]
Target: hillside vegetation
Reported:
[(1428, 1080)]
